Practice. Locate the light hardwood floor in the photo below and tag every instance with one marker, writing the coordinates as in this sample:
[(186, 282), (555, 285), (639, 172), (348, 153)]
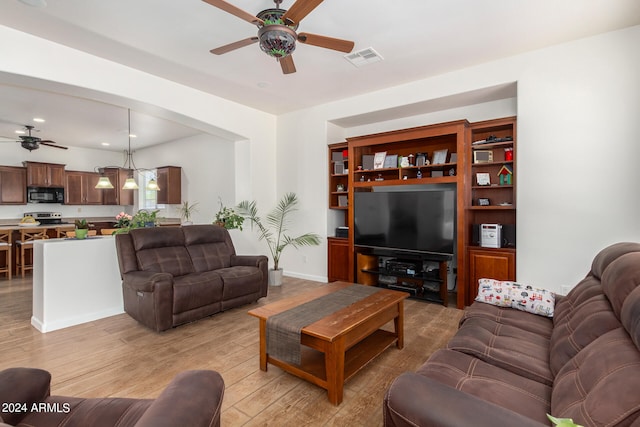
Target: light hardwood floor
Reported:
[(118, 357)]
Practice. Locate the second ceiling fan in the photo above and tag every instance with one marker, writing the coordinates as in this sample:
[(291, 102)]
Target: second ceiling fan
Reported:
[(277, 31)]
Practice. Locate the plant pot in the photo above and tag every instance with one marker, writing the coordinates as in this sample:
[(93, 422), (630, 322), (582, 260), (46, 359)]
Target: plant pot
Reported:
[(149, 224), (81, 233), (275, 277)]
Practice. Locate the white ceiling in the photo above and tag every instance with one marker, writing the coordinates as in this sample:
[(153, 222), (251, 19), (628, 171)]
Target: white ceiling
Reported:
[(172, 39)]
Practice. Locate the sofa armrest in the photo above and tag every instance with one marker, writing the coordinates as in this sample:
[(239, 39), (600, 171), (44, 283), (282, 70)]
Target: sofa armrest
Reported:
[(259, 261), (145, 281), (22, 387), (193, 398), (415, 400)]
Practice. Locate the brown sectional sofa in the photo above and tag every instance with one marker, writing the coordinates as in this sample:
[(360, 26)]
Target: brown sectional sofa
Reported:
[(509, 367), (193, 398), (174, 275)]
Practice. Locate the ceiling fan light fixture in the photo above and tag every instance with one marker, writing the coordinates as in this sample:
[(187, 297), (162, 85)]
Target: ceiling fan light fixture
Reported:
[(277, 40)]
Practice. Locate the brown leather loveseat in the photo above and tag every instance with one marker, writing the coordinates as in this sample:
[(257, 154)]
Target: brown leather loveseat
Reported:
[(175, 275), (506, 367), (193, 398)]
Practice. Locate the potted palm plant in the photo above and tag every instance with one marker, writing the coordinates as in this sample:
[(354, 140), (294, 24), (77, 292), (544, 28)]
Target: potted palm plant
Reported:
[(186, 210), (274, 230)]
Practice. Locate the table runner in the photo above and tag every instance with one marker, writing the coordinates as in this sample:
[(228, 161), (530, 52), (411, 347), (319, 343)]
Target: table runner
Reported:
[(283, 329)]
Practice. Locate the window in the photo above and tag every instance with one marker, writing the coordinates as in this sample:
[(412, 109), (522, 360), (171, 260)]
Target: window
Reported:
[(147, 199)]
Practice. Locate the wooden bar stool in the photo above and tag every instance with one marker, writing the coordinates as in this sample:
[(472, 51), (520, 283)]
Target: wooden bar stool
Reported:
[(5, 248), (63, 230), (27, 236), (71, 234)]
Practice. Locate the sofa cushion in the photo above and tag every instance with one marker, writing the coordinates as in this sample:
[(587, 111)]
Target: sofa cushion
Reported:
[(174, 260), (508, 347), (621, 278), (507, 316), (156, 237), (599, 386), (209, 246), (490, 383), (239, 281), (630, 316), (581, 326), (196, 290)]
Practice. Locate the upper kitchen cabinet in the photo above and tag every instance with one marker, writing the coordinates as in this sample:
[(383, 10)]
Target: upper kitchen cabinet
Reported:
[(81, 188), (13, 185), (45, 174), (116, 195), (170, 183)]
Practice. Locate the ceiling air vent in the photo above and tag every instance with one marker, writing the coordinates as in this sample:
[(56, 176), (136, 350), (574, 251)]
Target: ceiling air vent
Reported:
[(363, 57)]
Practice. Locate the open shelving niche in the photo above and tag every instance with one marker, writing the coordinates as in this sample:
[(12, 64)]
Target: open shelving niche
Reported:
[(470, 260), (368, 264)]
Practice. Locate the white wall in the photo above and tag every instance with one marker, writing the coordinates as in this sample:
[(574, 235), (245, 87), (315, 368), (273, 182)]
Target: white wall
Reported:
[(577, 108)]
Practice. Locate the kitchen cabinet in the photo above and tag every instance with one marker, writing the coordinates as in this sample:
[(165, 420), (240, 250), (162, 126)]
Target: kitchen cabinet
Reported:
[(116, 195), (170, 183), (13, 185), (80, 188), (45, 174)]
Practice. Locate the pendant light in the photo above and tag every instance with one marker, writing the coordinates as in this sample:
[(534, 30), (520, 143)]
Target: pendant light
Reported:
[(130, 182)]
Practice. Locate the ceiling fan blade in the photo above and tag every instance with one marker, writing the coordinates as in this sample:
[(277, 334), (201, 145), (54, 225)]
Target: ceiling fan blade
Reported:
[(221, 4), (49, 143), (233, 46), (287, 65), (345, 46), (299, 10)]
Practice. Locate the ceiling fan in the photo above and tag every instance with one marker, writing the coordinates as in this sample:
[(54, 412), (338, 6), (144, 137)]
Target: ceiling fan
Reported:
[(277, 31), (31, 142)]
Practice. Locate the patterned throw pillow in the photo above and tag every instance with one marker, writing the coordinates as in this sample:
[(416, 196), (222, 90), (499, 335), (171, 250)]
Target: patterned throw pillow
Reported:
[(516, 295)]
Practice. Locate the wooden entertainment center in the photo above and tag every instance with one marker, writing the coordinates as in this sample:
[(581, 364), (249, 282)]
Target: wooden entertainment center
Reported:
[(483, 172)]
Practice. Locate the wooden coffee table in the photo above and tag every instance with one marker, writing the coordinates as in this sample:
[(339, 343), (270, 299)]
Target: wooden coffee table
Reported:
[(337, 346)]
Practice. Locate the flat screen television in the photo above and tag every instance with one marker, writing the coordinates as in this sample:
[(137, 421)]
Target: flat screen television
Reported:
[(415, 221)]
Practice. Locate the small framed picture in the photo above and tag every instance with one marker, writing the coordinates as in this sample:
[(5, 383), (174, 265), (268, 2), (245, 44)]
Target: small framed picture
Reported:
[(483, 178), (378, 160), (391, 161), (338, 168), (440, 157), (483, 202)]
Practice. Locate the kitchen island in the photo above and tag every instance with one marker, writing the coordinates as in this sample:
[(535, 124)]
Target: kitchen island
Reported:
[(75, 281)]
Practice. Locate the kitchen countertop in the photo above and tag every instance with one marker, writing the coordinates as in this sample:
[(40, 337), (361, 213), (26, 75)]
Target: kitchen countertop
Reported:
[(13, 222)]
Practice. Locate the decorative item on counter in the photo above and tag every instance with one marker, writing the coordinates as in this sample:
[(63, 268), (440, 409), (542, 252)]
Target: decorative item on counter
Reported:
[(508, 154), (340, 187), (144, 218), (505, 173), (123, 220), (379, 178), (186, 210), (82, 228), (419, 174), (228, 217), (273, 231)]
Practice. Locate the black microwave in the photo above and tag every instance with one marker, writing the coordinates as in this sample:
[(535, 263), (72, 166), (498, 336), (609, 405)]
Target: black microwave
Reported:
[(45, 195)]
